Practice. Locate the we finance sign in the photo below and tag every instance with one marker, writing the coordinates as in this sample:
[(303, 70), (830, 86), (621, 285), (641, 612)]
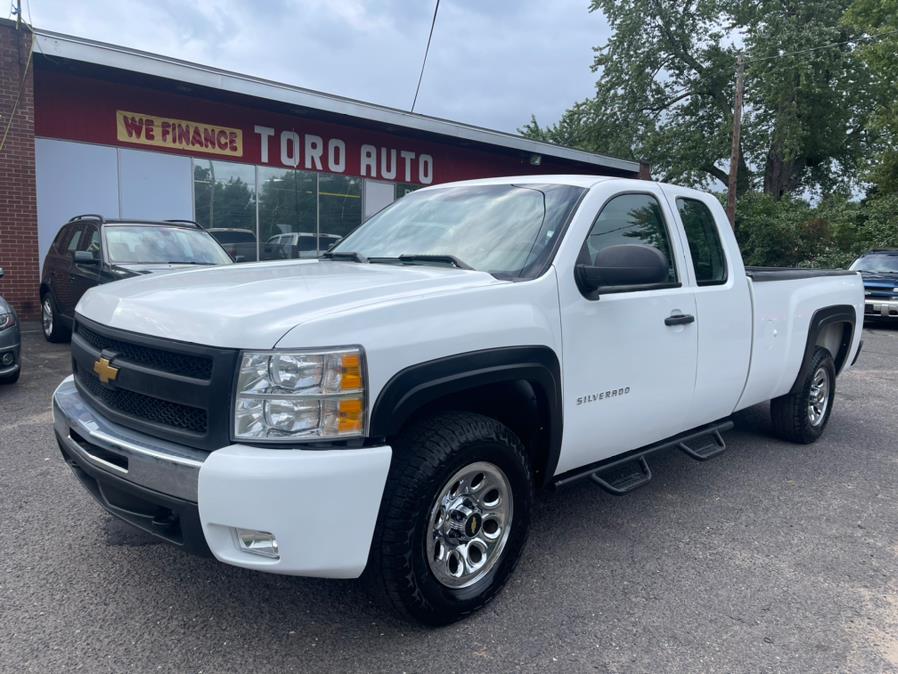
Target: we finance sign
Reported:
[(311, 150), (132, 127)]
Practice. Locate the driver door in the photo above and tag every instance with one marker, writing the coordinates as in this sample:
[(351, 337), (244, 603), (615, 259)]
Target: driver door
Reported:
[(629, 371)]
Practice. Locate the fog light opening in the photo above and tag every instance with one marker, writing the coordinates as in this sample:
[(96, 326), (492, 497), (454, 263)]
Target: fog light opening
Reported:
[(7, 358), (255, 542)]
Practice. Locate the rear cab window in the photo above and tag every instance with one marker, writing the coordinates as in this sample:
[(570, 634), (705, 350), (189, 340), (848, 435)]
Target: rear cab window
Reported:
[(708, 259)]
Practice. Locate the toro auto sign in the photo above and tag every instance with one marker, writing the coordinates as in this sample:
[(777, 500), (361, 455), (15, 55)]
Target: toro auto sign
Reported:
[(289, 148)]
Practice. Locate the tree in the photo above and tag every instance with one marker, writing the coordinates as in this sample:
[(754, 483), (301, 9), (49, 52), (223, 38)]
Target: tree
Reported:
[(665, 92), (876, 22)]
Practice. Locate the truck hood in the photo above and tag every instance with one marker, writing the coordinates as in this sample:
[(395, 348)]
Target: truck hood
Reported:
[(252, 306)]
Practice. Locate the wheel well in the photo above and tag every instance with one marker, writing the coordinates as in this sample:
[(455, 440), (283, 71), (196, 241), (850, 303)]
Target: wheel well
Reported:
[(519, 404), (44, 289), (836, 338)]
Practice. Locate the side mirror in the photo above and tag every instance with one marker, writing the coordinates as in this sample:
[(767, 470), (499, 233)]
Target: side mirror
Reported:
[(2, 273), (622, 266), (240, 258), (85, 257)]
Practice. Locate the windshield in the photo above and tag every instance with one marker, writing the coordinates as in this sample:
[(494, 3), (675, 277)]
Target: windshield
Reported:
[(506, 230), (877, 263), (158, 244)]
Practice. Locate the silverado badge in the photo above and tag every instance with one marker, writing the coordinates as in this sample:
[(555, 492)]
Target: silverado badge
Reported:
[(105, 371)]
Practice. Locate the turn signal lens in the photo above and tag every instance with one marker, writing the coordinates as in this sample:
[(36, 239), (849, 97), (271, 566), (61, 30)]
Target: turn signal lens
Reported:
[(351, 416), (351, 379)]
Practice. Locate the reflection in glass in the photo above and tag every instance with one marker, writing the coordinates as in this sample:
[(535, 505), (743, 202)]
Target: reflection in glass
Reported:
[(224, 197), (288, 213)]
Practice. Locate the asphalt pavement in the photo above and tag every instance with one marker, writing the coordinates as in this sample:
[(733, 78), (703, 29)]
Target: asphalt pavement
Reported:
[(771, 557)]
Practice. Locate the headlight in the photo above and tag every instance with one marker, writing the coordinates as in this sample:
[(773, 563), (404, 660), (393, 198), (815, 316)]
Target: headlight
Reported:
[(7, 321), (283, 395)]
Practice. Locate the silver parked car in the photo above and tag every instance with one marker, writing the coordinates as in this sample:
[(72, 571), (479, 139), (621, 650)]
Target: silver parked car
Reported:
[(10, 343)]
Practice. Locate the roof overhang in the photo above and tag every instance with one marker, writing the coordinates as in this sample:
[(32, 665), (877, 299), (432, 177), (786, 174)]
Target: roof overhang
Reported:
[(58, 45)]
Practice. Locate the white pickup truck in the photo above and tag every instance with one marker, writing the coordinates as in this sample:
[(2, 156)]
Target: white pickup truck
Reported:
[(391, 407)]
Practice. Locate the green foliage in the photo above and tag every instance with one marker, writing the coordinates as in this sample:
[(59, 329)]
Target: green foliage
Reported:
[(665, 92), (878, 21), (792, 233)]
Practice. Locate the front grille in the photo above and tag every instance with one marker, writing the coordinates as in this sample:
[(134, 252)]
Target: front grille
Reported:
[(152, 410), (168, 389), (185, 365)]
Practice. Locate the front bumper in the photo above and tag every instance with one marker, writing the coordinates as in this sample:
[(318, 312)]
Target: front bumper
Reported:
[(321, 505), (874, 308)]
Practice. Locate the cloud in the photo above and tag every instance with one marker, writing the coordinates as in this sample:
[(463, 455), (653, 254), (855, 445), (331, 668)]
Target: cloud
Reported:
[(491, 63)]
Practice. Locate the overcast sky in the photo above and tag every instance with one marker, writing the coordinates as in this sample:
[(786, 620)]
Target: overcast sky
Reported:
[(492, 62)]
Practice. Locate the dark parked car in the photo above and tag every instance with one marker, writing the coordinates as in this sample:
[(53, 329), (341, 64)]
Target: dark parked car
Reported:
[(90, 250), (240, 244), (10, 342), (879, 269)]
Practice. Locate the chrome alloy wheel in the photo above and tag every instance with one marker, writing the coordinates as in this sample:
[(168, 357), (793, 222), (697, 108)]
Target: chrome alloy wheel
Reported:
[(469, 524), (819, 397), (47, 316)]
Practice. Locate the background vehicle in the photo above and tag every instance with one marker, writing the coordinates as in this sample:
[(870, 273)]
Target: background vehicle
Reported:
[(10, 343), (297, 245), (390, 407), (240, 244), (89, 250), (879, 269)]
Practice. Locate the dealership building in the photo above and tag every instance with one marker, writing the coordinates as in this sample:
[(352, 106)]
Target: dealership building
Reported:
[(89, 127)]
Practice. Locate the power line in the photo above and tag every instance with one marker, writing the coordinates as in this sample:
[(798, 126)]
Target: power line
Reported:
[(859, 38), (426, 52)]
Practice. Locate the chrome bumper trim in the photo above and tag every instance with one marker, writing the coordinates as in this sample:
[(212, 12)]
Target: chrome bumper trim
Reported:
[(152, 463), (884, 308)]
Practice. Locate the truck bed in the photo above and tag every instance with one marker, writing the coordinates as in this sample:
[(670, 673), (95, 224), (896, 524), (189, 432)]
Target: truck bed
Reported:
[(764, 274)]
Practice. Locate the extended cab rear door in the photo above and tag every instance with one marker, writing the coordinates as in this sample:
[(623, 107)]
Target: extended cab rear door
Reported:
[(716, 276), (628, 371)]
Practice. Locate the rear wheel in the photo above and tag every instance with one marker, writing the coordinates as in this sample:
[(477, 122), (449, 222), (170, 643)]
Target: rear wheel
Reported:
[(51, 325), (802, 416), (454, 517)]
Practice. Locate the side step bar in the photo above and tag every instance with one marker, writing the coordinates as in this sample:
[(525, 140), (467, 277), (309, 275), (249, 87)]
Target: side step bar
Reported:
[(620, 475)]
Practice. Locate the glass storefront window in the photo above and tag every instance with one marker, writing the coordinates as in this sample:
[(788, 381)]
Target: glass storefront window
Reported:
[(405, 188), (339, 207), (288, 213), (299, 214), (224, 197)]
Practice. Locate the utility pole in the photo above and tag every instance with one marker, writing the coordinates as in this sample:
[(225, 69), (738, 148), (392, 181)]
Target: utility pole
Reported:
[(19, 14), (734, 153)]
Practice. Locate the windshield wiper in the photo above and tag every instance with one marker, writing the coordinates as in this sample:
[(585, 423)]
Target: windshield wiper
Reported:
[(421, 258), (210, 264), (351, 256)]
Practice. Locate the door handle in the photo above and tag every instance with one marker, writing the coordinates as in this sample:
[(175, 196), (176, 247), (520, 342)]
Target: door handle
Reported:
[(679, 319)]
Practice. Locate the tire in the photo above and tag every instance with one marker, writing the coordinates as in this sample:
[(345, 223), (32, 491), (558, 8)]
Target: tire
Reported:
[(51, 325), (794, 417), (407, 555), (10, 378)]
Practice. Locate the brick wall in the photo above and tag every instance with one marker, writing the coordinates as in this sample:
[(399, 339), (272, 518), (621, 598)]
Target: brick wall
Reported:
[(18, 202)]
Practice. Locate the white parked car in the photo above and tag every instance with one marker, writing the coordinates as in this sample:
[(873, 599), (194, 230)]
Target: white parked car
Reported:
[(390, 408)]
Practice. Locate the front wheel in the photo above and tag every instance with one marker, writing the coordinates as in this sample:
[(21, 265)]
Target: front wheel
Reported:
[(802, 416), (454, 517)]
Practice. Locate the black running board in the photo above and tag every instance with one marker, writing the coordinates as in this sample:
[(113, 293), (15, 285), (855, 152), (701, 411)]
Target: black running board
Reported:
[(624, 473)]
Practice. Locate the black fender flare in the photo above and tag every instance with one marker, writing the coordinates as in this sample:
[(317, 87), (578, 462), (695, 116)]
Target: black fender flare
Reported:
[(839, 313), (418, 385)]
